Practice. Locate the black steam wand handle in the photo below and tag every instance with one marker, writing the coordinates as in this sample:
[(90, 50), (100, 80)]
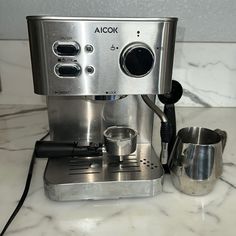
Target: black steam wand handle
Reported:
[(169, 110)]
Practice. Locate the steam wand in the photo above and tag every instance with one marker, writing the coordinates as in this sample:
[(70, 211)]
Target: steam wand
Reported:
[(169, 101), (165, 130)]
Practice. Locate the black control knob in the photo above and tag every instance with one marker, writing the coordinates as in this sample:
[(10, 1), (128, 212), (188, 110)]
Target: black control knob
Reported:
[(137, 60)]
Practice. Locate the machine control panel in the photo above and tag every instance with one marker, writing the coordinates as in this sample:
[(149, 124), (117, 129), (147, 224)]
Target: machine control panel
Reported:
[(136, 59), (101, 56)]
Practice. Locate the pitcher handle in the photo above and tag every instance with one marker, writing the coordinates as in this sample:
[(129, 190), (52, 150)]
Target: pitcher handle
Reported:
[(223, 135)]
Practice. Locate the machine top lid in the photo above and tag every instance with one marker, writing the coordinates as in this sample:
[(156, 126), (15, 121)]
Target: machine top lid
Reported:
[(72, 18)]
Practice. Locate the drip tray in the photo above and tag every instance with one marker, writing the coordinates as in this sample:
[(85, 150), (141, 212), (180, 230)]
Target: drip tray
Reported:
[(83, 178)]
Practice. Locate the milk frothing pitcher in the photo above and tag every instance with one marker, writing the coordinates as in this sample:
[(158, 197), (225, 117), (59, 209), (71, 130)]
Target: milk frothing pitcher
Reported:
[(196, 159)]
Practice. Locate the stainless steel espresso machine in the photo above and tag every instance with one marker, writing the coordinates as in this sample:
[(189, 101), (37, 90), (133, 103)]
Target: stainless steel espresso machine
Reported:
[(93, 72)]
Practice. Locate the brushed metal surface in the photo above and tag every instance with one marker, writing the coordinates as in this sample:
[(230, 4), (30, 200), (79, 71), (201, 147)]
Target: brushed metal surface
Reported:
[(75, 178), (79, 118), (108, 78)]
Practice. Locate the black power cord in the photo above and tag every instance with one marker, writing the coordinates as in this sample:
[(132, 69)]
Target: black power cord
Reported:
[(25, 192)]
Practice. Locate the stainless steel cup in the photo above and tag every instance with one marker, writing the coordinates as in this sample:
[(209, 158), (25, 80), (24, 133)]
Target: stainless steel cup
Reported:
[(196, 159), (120, 141)]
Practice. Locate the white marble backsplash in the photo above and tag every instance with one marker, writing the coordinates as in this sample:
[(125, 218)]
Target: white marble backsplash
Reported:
[(207, 71), (15, 74)]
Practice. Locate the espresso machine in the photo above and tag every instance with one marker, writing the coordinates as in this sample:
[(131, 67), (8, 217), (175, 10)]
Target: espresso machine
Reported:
[(101, 76)]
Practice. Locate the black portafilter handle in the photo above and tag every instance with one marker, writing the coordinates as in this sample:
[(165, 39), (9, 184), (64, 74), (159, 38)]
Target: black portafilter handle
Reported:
[(169, 101), (55, 149)]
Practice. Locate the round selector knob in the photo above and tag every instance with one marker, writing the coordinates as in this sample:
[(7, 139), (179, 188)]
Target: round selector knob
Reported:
[(137, 60)]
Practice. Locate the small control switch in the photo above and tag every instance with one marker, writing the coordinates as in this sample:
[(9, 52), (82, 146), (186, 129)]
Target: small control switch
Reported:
[(68, 70), (66, 48)]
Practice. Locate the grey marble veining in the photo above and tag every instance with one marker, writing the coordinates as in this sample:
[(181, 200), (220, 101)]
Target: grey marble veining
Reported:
[(195, 98), (168, 214), (207, 74)]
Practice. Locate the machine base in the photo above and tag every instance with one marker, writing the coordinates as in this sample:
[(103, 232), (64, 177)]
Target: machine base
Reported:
[(105, 177)]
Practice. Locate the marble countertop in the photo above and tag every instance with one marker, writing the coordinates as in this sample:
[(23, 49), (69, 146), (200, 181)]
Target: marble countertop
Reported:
[(170, 213)]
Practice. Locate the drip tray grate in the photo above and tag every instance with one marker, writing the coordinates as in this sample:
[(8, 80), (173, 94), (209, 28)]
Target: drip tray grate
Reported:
[(78, 166), (74, 178)]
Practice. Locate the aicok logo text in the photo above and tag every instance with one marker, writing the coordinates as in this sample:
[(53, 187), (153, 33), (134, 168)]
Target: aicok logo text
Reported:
[(106, 30)]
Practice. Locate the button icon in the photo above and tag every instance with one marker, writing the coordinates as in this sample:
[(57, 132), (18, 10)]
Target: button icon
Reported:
[(112, 47)]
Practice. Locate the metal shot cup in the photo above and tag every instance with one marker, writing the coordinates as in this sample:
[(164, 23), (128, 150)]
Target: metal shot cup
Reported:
[(196, 159), (120, 141)]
